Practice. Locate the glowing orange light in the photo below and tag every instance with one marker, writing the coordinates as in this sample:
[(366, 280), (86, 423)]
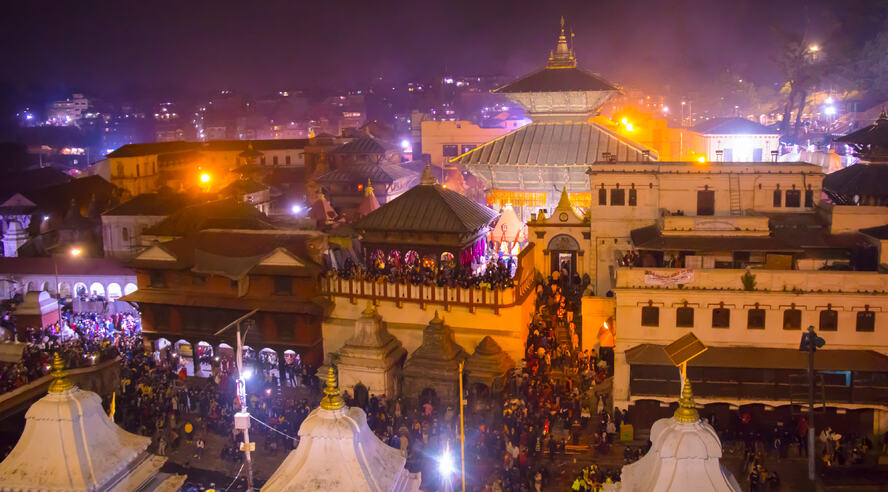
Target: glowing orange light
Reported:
[(204, 178), (76, 251), (360, 187), (701, 159)]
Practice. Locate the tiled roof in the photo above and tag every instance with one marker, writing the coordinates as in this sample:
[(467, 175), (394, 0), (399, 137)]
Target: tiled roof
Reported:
[(733, 126), (554, 144), (429, 208), (557, 80), (143, 149), (364, 145), (376, 173), (153, 204)]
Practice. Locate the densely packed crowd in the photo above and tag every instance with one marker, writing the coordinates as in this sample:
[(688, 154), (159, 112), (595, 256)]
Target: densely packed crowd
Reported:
[(81, 340), (496, 274)]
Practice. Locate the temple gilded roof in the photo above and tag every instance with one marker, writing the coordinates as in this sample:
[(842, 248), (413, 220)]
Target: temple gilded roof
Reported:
[(554, 144), (557, 80)]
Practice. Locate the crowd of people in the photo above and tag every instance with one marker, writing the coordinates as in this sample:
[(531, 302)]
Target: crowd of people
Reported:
[(497, 273), (82, 340)]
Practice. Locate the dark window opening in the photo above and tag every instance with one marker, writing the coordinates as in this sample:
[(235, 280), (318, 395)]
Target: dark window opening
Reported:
[(602, 196), (274, 160), (618, 196), (793, 198), (451, 150), (633, 197), (809, 198), (792, 319), (866, 321), (650, 316), (287, 160), (778, 197), (755, 320), (829, 320), (721, 318), (468, 147), (156, 279), (283, 286), (684, 317)]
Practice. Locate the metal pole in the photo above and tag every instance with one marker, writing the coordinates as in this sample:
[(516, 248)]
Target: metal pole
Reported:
[(462, 430), (245, 410), (811, 407)]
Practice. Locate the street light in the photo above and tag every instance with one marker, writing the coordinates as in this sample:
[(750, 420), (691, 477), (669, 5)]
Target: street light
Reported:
[(810, 343), (204, 178), (76, 252)]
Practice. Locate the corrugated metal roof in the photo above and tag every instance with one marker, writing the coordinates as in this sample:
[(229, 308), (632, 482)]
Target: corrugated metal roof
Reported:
[(143, 149), (554, 144), (429, 208), (558, 80)]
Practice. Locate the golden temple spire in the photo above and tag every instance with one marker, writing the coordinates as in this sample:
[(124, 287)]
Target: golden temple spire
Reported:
[(368, 190), (563, 56), (564, 201), (686, 411), (60, 381), (332, 399), (427, 177)]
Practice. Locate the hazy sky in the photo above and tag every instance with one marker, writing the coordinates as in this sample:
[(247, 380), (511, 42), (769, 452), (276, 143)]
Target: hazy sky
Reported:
[(114, 46)]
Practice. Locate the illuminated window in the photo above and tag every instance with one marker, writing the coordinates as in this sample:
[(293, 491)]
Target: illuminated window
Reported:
[(650, 316), (755, 319), (866, 321), (721, 318), (792, 319), (684, 317), (450, 150), (618, 196), (829, 320)]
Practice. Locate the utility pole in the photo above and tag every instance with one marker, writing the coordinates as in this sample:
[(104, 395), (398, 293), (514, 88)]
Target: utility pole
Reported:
[(810, 343), (462, 429), (242, 418)]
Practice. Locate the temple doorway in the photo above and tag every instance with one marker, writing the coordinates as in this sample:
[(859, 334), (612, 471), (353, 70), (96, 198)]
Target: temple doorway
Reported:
[(563, 252)]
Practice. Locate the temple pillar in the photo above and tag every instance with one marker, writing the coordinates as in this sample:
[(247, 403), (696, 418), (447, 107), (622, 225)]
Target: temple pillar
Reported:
[(621, 378)]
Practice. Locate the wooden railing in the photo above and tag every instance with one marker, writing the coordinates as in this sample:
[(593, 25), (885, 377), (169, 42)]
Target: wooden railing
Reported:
[(469, 297)]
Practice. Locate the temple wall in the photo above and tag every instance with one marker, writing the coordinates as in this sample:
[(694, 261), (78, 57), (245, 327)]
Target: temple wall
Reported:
[(508, 328)]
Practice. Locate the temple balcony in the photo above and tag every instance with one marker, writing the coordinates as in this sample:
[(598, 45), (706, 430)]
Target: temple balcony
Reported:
[(713, 225)]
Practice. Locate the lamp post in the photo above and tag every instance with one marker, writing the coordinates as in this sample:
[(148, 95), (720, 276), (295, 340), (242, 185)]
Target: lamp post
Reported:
[(462, 429), (810, 343), (242, 418)]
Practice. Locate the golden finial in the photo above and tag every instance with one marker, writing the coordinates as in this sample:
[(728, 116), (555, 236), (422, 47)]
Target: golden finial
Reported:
[(60, 381), (686, 411), (332, 399), (369, 189), (370, 310), (427, 177)]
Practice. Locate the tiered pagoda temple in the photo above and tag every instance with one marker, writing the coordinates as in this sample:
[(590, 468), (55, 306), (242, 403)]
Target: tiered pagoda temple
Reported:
[(864, 182), (530, 165)]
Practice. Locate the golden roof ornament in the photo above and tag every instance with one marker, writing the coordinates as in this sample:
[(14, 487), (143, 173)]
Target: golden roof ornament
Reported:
[(563, 56), (369, 189), (428, 178), (60, 381), (686, 411), (564, 201), (332, 399)]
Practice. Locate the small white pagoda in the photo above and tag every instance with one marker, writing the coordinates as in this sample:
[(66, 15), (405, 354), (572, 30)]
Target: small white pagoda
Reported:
[(337, 451), (684, 456), (69, 444)]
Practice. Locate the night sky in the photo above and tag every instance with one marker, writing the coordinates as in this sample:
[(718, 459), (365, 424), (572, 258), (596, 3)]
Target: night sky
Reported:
[(118, 46)]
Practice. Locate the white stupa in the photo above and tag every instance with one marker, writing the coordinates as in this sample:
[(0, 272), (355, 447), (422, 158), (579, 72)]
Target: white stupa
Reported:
[(684, 456), (337, 451), (69, 444)]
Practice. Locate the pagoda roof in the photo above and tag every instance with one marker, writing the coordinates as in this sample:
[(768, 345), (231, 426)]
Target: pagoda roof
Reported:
[(361, 172), (875, 134), (227, 212), (558, 80), (554, 144), (365, 145), (863, 180), (428, 207)]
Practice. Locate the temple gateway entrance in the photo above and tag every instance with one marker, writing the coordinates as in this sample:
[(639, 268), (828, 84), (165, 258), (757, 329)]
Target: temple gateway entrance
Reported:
[(563, 251)]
